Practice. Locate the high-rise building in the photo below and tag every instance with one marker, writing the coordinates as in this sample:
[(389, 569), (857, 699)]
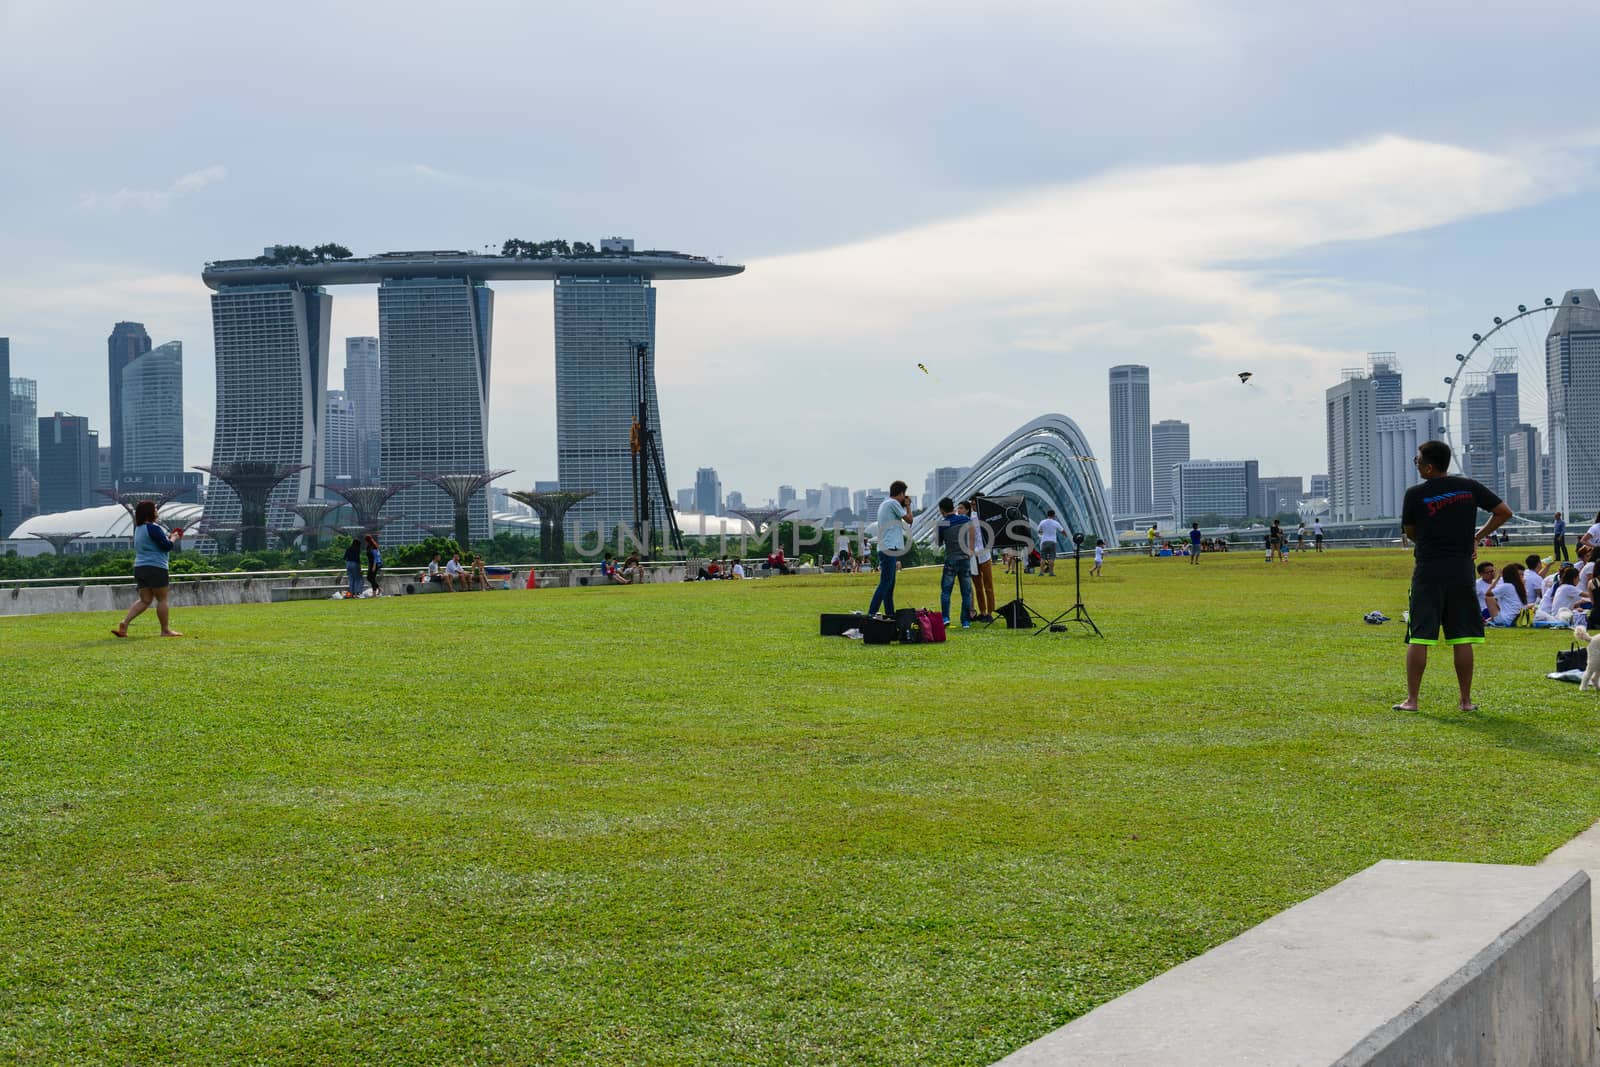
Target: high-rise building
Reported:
[(812, 509), (363, 388), (600, 321), (152, 413), (1351, 409), (868, 512), (24, 451), (271, 343), (1169, 446), (1130, 440), (1384, 370), (786, 496), (1489, 411), (1572, 374), (341, 454), (436, 345), (69, 460), (707, 491), (734, 502), (128, 341), (1228, 489), (102, 467), (938, 482), (1277, 496), (835, 498), (1523, 451), (1398, 436), (8, 501), (1319, 486), (686, 499)]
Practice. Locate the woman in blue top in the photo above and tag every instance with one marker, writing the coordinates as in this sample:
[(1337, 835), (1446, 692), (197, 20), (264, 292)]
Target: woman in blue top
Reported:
[(150, 575), (374, 566)]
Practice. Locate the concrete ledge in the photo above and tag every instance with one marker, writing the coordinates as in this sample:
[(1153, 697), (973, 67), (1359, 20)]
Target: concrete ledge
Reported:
[(1469, 965)]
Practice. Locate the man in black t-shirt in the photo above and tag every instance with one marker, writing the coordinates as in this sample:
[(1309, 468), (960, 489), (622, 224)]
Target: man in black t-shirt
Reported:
[(1440, 517)]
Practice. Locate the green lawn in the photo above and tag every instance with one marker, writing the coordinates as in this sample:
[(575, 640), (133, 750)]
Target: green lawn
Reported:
[(671, 825)]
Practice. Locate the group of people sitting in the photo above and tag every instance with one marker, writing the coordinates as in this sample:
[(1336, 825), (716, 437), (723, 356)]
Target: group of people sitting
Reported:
[(1536, 592), (456, 576)]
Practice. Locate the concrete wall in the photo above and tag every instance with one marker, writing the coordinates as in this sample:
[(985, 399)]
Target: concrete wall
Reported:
[(1414, 964)]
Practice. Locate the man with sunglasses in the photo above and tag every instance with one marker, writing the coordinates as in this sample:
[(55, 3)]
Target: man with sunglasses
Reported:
[(1440, 517)]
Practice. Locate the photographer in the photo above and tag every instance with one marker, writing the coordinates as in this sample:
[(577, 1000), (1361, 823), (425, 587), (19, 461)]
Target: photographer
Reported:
[(894, 514)]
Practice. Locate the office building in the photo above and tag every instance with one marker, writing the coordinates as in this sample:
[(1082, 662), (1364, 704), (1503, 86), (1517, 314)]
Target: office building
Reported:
[(835, 498), (363, 388), (69, 461), (435, 385), (1319, 486), (786, 496), (1398, 436), (812, 508), (868, 512), (24, 452), (1572, 375), (1351, 414), (1130, 440), (271, 344), (707, 491), (686, 499), (8, 495), (1225, 489), (341, 453), (1169, 446), (938, 482), (1384, 370), (1523, 453), (152, 413), (1489, 411), (128, 342), (1278, 496), (734, 502)]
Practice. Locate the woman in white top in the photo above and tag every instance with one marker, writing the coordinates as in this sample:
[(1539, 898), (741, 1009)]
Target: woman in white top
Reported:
[(983, 568), (1561, 597), (1510, 596)]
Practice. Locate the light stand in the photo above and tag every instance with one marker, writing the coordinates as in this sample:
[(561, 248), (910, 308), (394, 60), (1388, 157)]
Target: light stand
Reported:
[(1077, 613), (1018, 605)]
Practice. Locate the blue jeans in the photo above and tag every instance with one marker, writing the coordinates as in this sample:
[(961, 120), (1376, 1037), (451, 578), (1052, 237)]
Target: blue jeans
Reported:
[(888, 563), (353, 572), (953, 571)]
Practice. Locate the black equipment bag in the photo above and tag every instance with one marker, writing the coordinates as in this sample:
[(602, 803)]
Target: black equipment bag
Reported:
[(834, 625), (1575, 658), (905, 623), (1016, 615), (878, 629)]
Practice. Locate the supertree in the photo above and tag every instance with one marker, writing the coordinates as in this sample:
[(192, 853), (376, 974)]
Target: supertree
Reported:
[(552, 508), (314, 513), (60, 541), (287, 536), (459, 488), (132, 499), (225, 535), (367, 501), (252, 481)]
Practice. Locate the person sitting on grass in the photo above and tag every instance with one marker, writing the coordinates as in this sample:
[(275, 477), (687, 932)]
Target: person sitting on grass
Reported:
[(1561, 599), (1484, 587), (1510, 595)]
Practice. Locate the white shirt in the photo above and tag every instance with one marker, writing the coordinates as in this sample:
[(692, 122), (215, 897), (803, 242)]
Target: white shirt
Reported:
[(1594, 533), (1482, 587), (1510, 606), (738, 570), (1099, 554), (1566, 597), (433, 568), (1049, 530), (452, 567), (1535, 586), (891, 529), (1316, 528), (1583, 575), (980, 548)]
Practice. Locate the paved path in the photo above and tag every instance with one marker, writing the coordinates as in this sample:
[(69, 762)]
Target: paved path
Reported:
[(1584, 851)]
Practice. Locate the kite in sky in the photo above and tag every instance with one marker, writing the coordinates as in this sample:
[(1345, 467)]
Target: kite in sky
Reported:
[(1245, 376), (923, 369)]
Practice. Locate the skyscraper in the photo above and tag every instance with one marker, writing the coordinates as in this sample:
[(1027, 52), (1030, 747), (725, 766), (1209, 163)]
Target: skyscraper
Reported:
[(1384, 370), (1523, 457), (1130, 440), (69, 458), (938, 482), (436, 347), (686, 500), (152, 412), (24, 466), (1279, 495), (341, 456), (599, 322), (271, 343), (707, 491), (1228, 489), (363, 388), (1572, 373), (1351, 422), (1169, 445), (128, 341), (786, 496), (1489, 411), (1319, 485), (8, 501), (1398, 436)]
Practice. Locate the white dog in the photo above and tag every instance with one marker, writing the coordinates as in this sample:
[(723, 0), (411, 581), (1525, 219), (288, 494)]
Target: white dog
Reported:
[(1591, 669)]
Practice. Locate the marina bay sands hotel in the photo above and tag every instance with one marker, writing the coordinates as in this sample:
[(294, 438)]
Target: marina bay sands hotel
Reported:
[(271, 317)]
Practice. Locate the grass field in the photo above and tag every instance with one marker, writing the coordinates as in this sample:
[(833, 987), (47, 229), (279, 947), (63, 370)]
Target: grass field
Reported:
[(671, 825)]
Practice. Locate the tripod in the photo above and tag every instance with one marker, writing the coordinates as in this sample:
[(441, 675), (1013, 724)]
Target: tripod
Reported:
[(1018, 605), (1077, 613)]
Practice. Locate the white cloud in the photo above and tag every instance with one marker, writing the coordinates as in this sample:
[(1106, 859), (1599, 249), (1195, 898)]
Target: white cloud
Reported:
[(155, 199)]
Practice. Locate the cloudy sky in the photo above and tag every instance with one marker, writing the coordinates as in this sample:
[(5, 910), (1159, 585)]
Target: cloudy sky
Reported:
[(1017, 195)]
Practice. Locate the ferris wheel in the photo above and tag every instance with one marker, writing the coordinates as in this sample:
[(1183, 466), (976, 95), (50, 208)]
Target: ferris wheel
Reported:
[(1504, 371)]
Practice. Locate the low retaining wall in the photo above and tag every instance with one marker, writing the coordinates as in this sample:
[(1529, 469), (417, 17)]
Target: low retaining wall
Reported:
[(1469, 965)]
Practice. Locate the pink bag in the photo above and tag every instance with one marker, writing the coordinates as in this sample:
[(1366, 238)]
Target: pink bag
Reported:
[(931, 623)]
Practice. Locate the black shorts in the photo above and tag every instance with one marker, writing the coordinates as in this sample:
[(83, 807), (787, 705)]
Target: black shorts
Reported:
[(1448, 604), (151, 578)]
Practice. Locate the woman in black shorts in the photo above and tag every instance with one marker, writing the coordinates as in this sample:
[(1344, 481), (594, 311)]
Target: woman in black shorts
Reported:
[(151, 544)]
